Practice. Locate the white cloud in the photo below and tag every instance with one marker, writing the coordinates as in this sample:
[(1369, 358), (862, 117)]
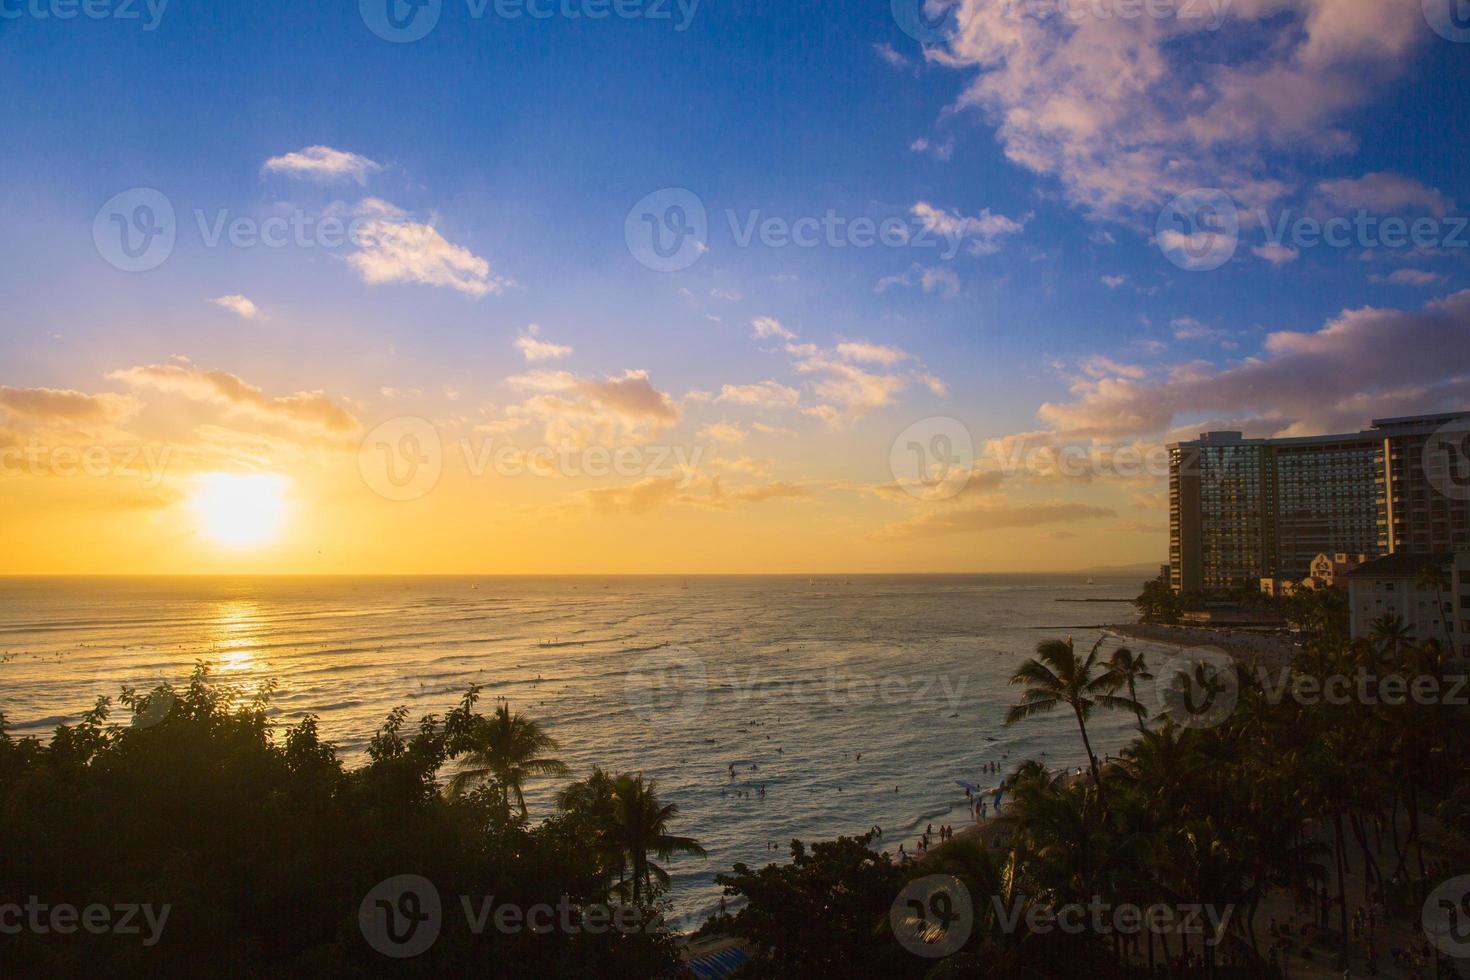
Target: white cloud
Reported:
[(395, 250), (1409, 277), (931, 278), (64, 407), (1382, 193), (323, 163), (1333, 379), (847, 392), (577, 410), (763, 394), (304, 409), (1099, 366), (1188, 328), (889, 54), (533, 348), (1126, 113), (238, 305), (941, 150), (859, 350), (1113, 282), (1276, 253), (990, 517), (766, 326), (982, 231), (725, 433)]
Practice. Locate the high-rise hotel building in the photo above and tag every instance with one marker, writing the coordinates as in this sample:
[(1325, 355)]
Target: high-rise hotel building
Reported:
[(1241, 510)]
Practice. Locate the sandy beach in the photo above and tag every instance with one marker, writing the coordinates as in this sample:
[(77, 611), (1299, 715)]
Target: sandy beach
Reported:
[(1245, 645)]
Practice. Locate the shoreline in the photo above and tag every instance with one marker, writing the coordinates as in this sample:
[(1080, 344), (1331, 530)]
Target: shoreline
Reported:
[(1244, 645)]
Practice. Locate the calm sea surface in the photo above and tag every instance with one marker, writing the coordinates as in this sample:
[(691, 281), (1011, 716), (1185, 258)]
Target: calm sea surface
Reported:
[(787, 679)]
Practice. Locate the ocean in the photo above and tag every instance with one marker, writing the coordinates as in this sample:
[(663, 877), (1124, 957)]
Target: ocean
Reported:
[(853, 701)]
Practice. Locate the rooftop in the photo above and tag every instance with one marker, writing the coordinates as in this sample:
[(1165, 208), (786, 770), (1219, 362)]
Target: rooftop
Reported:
[(1408, 424), (1402, 565)]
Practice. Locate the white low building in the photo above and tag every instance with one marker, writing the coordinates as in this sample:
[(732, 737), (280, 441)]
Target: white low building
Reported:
[(1393, 585)]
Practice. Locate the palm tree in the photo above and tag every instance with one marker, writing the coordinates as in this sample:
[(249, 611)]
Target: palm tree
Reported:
[(640, 826), (507, 749), (1390, 634), (593, 802), (1433, 576), (1128, 669), (1058, 676)]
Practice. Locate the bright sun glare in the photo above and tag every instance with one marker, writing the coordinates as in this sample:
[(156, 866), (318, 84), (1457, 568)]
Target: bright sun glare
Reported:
[(239, 511)]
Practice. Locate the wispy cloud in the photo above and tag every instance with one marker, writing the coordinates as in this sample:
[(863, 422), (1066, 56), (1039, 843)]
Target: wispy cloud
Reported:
[(991, 517), (1382, 193), (239, 305), (1330, 379), (534, 348), (940, 279), (983, 231), (766, 327), (763, 394), (577, 410), (1409, 277), (309, 409), (323, 163), (1129, 112), (393, 248)]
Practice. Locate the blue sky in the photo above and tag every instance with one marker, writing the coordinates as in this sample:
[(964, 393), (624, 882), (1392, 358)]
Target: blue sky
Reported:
[(524, 143)]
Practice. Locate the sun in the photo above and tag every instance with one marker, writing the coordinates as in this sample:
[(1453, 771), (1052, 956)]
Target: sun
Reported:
[(236, 511)]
